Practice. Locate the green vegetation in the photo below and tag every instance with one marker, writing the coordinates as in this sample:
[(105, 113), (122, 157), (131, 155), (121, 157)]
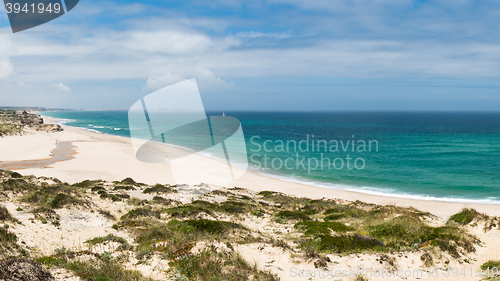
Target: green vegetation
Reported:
[(141, 212), (16, 124), (209, 264), (53, 196), (321, 228), (490, 265), (199, 206), (346, 211), (465, 216), (406, 231), (16, 184), (160, 188), (371, 228), (292, 215), (87, 183), (124, 187), (113, 196), (176, 236), (107, 214), (163, 201), (348, 243), (96, 267), (4, 214), (187, 210), (8, 244), (236, 207), (164, 228), (110, 238), (10, 129), (130, 181)]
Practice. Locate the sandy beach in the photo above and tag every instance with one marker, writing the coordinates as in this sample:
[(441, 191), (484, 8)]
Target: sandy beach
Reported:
[(111, 158)]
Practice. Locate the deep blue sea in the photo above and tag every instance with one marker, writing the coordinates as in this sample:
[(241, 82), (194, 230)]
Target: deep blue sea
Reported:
[(448, 156)]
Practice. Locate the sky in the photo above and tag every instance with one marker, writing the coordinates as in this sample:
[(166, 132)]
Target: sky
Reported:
[(308, 55)]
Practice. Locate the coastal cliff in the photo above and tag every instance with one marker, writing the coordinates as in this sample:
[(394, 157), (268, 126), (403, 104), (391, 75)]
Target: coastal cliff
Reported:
[(18, 122)]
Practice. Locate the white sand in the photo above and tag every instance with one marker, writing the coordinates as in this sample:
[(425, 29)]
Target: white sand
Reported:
[(111, 158)]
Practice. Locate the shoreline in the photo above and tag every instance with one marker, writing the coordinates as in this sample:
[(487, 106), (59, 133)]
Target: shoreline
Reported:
[(90, 162), (308, 182)]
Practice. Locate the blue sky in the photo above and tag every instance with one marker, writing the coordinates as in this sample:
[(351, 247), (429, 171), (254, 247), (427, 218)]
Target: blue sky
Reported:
[(261, 55)]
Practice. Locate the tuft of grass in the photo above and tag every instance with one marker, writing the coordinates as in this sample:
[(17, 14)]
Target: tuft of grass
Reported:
[(107, 214), (124, 187), (16, 175), (86, 183), (212, 227), (345, 211), (187, 210), (10, 129), (221, 193), (54, 196), (128, 181), (208, 265), (141, 212), (17, 185), (321, 228), (7, 237), (199, 206), (293, 215), (46, 214), (176, 238), (465, 216), (8, 244), (160, 188), (4, 214), (60, 200), (110, 238), (115, 197), (236, 207), (164, 201), (102, 268), (258, 213), (490, 265), (347, 243), (97, 189), (406, 231)]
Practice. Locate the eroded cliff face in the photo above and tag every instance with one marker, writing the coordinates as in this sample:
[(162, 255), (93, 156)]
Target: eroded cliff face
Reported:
[(17, 122)]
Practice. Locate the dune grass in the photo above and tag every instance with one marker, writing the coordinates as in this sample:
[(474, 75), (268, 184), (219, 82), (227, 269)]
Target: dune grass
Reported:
[(95, 267), (170, 230), (359, 227)]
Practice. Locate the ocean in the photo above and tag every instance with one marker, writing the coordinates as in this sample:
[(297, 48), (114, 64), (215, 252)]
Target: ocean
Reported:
[(447, 156)]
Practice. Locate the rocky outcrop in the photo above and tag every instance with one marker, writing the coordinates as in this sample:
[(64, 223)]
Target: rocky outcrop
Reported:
[(16, 123), (23, 270), (50, 128)]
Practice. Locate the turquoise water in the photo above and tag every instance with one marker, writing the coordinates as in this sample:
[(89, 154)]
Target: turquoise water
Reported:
[(427, 155)]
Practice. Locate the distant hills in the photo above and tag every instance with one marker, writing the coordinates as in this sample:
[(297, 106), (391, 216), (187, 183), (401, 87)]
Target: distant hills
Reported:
[(30, 108), (27, 108)]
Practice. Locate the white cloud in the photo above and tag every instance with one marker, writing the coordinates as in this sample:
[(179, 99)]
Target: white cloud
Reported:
[(61, 87), (175, 42), (203, 76), (6, 68), (344, 5), (158, 82), (257, 34), (163, 52)]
